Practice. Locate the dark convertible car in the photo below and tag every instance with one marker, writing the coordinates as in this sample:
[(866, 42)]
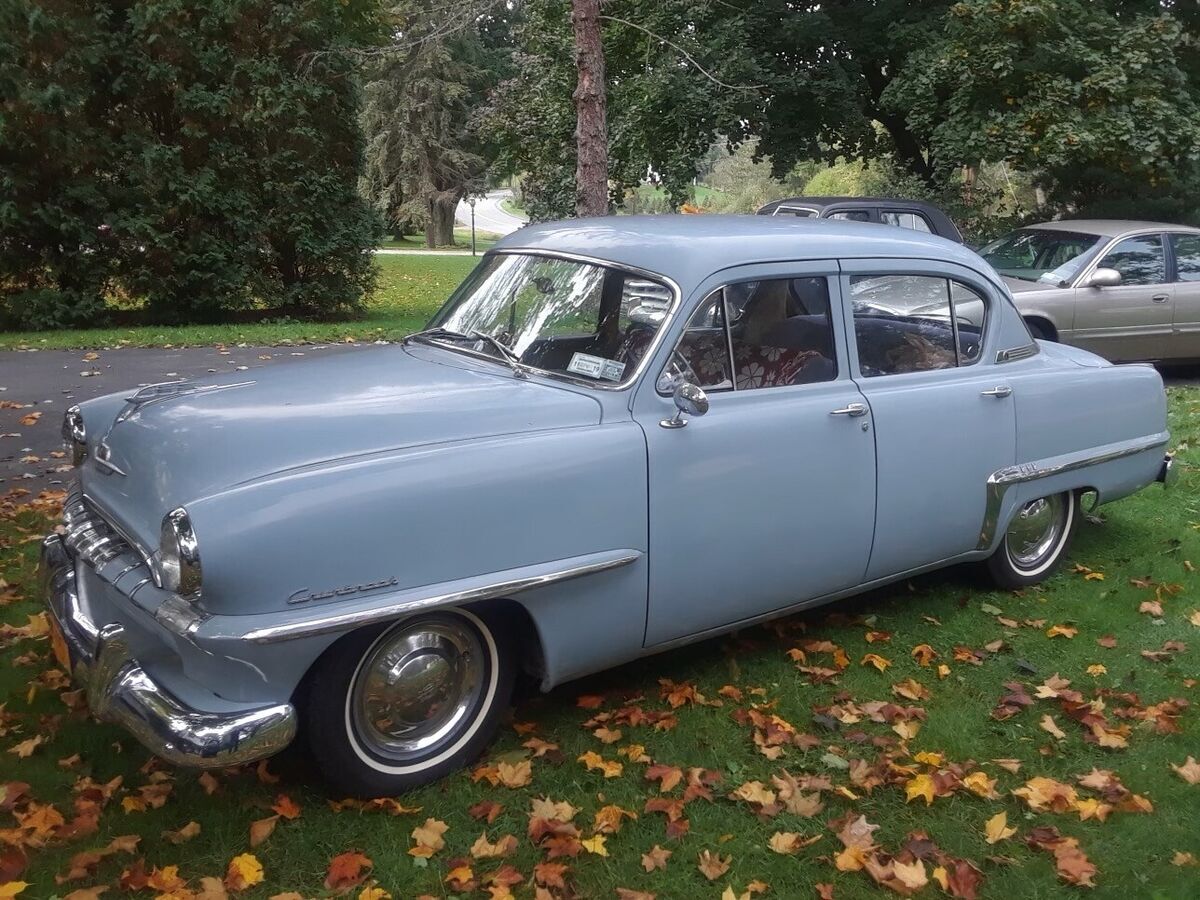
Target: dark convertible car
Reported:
[(915, 214)]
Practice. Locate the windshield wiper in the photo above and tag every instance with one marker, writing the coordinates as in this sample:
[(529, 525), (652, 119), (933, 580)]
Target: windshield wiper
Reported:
[(507, 355)]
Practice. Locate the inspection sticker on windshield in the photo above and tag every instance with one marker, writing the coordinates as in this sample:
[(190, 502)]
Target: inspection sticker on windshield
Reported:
[(596, 367)]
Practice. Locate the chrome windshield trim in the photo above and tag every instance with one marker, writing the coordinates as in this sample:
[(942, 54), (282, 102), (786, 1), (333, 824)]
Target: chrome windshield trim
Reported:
[(676, 299), (330, 620), (1001, 480)]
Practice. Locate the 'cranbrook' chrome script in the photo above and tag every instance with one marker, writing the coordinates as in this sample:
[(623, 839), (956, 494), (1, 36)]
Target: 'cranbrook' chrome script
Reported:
[(304, 595)]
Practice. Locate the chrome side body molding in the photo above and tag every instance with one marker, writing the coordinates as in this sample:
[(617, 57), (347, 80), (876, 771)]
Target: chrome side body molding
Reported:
[(999, 482), (504, 585)]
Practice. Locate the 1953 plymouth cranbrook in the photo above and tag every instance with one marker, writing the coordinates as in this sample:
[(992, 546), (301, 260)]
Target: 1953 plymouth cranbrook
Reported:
[(617, 436)]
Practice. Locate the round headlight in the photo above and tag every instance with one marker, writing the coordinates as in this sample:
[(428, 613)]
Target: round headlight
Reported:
[(179, 554), (75, 434)]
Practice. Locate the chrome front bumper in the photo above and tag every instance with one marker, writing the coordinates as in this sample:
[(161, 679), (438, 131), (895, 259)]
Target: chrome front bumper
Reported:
[(119, 690)]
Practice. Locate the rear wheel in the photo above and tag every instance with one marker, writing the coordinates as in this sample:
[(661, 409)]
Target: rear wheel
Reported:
[(396, 707), (1038, 538)]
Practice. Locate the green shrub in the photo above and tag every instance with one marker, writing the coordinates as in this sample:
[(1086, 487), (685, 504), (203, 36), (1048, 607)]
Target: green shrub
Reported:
[(203, 157)]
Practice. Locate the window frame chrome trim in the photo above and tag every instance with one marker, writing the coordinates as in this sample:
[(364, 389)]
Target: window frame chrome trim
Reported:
[(1000, 481), (330, 620), (668, 318)]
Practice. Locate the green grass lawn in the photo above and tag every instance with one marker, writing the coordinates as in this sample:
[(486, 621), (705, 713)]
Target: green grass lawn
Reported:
[(988, 640), (484, 240), (410, 290)]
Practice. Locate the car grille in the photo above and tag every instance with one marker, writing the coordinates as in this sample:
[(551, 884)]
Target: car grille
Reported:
[(91, 538)]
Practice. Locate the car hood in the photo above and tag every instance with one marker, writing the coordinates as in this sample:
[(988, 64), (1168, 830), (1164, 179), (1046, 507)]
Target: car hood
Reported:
[(1019, 286), (200, 438)]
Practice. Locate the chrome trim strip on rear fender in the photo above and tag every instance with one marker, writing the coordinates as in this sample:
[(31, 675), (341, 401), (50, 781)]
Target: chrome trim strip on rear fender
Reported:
[(332, 620), (1001, 480)]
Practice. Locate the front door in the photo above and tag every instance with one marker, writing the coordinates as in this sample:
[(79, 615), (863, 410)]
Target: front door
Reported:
[(768, 499), (1131, 321), (1185, 332), (943, 414)]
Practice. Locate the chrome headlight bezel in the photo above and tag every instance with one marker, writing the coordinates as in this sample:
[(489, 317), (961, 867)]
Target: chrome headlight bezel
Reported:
[(74, 433), (179, 555)]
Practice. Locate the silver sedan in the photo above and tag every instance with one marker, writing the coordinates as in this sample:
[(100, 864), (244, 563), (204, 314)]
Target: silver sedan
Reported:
[(1125, 290)]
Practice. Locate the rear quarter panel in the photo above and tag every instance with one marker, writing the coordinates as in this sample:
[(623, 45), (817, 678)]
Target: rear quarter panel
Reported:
[(1071, 405)]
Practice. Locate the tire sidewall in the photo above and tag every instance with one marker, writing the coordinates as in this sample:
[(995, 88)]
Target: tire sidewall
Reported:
[(347, 763), (1009, 575)]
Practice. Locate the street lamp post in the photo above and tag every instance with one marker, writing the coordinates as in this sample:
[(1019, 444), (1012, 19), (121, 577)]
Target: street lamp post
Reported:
[(471, 201)]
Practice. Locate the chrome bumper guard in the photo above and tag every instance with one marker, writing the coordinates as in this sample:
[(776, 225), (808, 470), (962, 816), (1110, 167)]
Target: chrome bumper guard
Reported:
[(1168, 474), (120, 691)]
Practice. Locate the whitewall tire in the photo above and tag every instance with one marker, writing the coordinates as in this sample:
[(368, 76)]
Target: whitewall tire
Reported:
[(1037, 540), (394, 707)]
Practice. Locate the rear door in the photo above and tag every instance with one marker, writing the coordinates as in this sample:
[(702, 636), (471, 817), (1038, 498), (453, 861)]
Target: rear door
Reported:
[(1133, 320), (943, 414), (1185, 332)]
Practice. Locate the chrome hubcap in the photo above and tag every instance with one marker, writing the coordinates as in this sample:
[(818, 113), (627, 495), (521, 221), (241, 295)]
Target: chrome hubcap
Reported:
[(1035, 531), (416, 687)]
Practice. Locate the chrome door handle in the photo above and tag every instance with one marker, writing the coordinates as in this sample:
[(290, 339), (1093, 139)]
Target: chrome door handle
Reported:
[(854, 410), (1002, 390), (1161, 298)]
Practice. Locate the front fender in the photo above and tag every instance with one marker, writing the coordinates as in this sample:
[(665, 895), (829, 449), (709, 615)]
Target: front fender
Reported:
[(369, 539)]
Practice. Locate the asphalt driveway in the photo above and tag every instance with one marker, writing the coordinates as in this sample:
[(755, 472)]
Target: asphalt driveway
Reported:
[(36, 387)]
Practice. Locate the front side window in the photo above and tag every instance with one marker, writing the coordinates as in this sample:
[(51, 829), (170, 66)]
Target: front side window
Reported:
[(769, 333), (1041, 254), (581, 320), (1140, 260), (904, 219), (915, 323), (1187, 256)]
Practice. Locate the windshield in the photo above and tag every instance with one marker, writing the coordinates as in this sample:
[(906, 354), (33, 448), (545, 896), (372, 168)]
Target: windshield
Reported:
[(1033, 254), (580, 320)]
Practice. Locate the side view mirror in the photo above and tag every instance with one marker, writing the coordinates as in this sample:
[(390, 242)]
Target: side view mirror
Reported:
[(1104, 277), (689, 399)]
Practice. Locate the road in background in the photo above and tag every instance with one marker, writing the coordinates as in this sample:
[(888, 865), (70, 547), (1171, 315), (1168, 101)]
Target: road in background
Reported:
[(489, 216)]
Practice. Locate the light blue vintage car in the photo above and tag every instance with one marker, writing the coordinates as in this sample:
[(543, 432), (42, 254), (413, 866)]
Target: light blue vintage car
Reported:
[(617, 436)]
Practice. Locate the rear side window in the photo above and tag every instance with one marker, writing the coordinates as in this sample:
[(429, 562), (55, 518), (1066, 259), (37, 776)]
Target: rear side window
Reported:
[(852, 215), (1187, 256), (905, 219), (915, 323), (758, 334)]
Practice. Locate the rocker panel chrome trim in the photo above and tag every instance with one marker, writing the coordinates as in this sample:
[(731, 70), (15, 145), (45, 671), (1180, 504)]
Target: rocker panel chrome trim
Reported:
[(1001, 480), (334, 621)]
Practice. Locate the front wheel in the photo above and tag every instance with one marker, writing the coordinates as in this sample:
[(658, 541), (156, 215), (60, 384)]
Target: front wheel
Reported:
[(1036, 542), (396, 707)]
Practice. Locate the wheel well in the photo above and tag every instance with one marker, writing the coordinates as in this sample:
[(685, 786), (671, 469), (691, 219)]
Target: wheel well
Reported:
[(524, 632), (1043, 326)]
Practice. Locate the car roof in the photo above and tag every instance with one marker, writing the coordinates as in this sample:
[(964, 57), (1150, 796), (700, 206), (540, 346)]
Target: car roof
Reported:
[(689, 248), (1109, 227)]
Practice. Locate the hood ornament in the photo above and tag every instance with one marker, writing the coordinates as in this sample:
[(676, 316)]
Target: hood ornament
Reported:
[(147, 395), (166, 391)]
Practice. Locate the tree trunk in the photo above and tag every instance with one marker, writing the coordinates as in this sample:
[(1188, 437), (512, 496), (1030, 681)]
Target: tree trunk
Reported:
[(591, 127), (440, 230)]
